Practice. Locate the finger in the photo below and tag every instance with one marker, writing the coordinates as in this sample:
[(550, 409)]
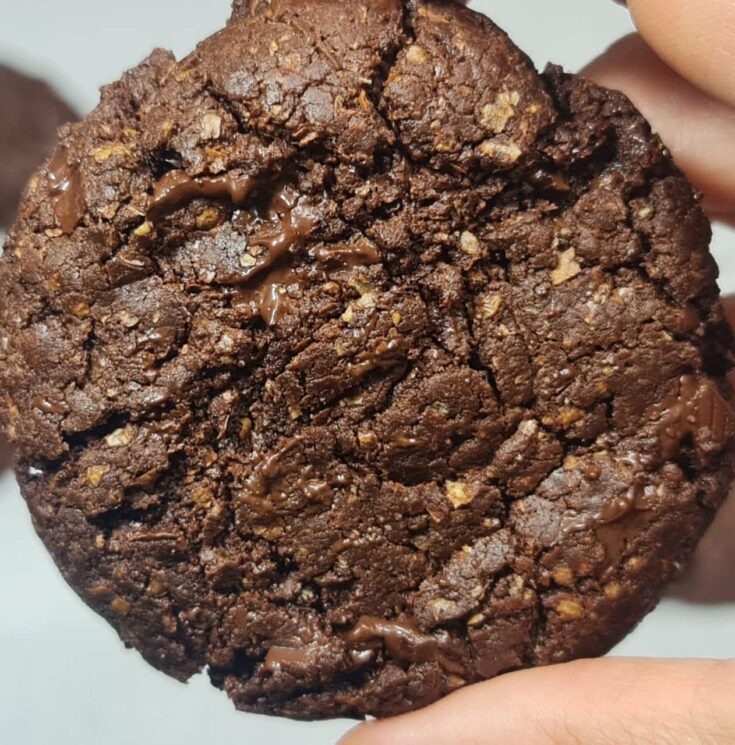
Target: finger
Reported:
[(699, 130), (598, 702), (697, 39)]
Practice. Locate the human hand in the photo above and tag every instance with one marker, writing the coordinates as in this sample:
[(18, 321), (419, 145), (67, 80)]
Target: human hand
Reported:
[(690, 98), (598, 702)]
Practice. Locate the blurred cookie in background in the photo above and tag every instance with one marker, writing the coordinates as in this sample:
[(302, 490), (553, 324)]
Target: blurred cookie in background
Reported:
[(6, 454), (31, 113)]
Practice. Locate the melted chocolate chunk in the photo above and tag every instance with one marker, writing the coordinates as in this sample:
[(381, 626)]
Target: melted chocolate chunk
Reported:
[(695, 409), (403, 641), (269, 296), (66, 191), (175, 190), (280, 658)]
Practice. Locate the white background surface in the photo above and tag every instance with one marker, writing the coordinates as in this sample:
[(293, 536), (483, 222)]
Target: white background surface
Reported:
[(64, 676)]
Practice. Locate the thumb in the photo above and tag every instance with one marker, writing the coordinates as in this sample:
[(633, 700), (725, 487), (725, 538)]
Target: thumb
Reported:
[(601, 702), (694, 38)]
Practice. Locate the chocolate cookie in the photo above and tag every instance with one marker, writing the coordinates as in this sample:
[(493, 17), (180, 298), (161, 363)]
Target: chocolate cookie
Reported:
[(32, 112), (354, 361)]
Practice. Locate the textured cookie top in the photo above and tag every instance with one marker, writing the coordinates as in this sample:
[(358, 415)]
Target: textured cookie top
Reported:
[(31, 114), (355, 361)]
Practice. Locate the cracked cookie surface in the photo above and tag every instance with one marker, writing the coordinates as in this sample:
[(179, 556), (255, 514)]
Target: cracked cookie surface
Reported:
[(353, 361)]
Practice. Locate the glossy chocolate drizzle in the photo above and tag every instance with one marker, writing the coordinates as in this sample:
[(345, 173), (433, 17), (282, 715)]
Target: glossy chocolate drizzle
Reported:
[(617, 508), (177, 189), (270, 297), (269, 282), (290, 222), (66, 191)]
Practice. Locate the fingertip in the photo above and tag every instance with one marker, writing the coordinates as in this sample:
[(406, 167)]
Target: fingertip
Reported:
[(698, 129), (631, 45), (354, 736), (695, 39), (385, 732)]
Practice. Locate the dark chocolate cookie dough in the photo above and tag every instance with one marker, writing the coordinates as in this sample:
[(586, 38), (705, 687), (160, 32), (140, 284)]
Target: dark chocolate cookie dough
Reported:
[(31, 114), (354, 361)]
